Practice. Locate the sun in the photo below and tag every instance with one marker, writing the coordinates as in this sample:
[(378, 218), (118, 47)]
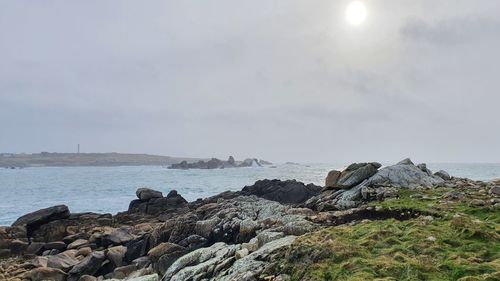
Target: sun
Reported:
[(355, 13)]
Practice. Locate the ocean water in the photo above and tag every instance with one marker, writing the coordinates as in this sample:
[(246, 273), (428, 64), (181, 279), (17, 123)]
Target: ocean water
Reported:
[(110, 189)]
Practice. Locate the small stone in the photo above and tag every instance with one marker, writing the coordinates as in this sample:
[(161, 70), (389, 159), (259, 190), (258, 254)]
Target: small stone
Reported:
[(241, 253), (477, 202), (431, 238), (77, 244)]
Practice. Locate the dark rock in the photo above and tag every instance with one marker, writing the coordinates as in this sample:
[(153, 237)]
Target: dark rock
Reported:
[(117, 237), (46, 273), (4, 253), (70, 238), (443, 174), (145, 194), (164, 255), (138, 247), (64, 261), (35, 219), (287, 192), (58, 245), (18, 247), (35, 248), (88, 266), (495, 190), (156, 206), (193, 242), (356, 173)]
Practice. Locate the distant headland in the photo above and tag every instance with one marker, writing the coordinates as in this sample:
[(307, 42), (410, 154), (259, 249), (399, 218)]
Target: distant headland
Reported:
[(49, 159), (53, 159)]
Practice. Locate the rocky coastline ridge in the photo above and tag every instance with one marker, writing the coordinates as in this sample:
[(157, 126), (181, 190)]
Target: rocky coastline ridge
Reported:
[(367, 222), (215, 163)]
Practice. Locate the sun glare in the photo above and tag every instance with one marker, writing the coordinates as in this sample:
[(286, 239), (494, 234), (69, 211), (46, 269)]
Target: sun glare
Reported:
[(355, 13)]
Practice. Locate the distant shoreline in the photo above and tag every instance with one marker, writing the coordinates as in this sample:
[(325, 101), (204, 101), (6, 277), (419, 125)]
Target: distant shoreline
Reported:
[(46, 159)]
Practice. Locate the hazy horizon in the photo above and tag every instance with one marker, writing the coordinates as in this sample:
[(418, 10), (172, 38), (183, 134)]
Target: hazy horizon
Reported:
[(281, 81)]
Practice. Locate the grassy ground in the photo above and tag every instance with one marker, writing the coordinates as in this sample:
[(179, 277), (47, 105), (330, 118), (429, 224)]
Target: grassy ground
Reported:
[(459, 242)]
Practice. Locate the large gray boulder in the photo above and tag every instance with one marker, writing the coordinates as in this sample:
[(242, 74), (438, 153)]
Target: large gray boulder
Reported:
[(201, 263), (402, 175), (356, 173)]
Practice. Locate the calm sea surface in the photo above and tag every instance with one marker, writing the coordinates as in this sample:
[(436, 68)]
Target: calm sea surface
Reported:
[(110, 189)]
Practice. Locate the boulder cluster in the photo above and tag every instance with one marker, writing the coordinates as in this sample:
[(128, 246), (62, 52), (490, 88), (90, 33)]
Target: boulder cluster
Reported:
[(230, 236), (215, 163)]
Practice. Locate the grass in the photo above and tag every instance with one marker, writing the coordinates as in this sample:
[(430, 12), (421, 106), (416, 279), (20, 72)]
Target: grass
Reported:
[(462, 243)]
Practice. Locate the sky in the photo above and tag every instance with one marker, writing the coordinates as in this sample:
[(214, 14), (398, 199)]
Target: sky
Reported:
[(283, 80)]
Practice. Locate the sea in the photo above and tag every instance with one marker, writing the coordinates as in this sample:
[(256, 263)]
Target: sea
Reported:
[(110, 189)]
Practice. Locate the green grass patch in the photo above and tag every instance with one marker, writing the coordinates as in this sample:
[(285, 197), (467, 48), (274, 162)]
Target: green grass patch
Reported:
[(463, 243)]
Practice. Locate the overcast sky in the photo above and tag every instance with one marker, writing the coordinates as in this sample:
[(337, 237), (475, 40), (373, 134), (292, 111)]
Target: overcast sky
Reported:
[(284, 80)]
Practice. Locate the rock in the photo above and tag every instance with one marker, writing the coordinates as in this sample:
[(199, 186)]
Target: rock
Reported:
[(116, 255), (248, 227), (18, 247), (443, 174), (253, 265), (241, 253), (79, 243), (64, 261), (84, 251), (35, 219), (58, 245), (406, 161), (163, 249), (268, 236), (137, 248), (117, 237), (193, 242), (251, 246), (70, 238), (200, 263), (155, 206), (145, 194), (332, 178), (87, 278), (151, 277), (124, 271), (4, 253), (164, 255), (204, 228), (423, 168), (35, 248), (39, 261), (285, 192), (356, 173), (495, 190), (46, 273), (477, 203), (88, 266), (403, 176)]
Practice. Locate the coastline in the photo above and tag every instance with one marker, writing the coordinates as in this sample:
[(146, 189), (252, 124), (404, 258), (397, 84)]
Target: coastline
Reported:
[(262, 230)]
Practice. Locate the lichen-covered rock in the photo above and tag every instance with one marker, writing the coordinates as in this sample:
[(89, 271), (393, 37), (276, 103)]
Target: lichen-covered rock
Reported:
[(200, 263)]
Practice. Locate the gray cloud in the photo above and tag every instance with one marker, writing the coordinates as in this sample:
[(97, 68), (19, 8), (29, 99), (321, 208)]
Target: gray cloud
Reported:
[(281, 80)]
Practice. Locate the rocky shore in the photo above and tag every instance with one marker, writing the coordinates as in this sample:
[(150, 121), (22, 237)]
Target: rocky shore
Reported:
[(215, 163), (400, 222)]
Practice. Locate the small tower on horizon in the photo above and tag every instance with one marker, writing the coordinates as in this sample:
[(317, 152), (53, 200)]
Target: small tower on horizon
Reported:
[(78, 149)]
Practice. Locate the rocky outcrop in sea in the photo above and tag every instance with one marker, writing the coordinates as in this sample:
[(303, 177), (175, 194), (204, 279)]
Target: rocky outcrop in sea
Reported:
[(231, 236), (215, 163)]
